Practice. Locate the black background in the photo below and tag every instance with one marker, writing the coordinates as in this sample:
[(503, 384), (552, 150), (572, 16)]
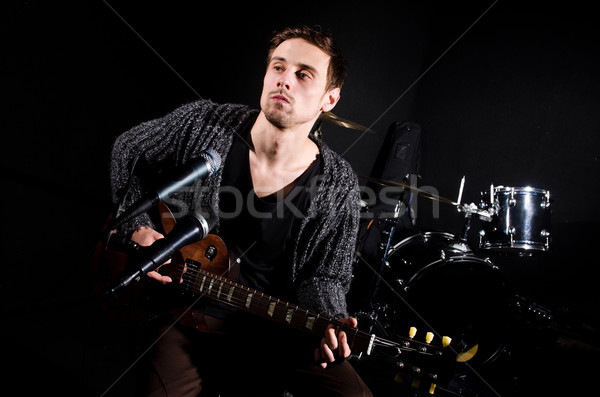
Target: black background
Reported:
[(506, 94)]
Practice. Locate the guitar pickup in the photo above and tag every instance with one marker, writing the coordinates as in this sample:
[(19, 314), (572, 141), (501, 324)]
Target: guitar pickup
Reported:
[(189, 275), (192, 265)]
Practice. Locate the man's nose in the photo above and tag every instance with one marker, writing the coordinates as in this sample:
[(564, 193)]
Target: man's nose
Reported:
[(284, 82)]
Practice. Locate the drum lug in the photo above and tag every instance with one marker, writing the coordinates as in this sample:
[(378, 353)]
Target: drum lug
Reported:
[(481, 236), (546, 234), (489, 262), (511, 231), (402, 284), (546, 202), (512, 202)]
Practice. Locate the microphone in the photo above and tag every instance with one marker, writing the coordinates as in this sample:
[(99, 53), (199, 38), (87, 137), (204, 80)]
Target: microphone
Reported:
[(200, 167), (190, 229)]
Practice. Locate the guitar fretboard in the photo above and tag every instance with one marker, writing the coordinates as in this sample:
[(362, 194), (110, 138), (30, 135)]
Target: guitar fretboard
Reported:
[(199, 282)]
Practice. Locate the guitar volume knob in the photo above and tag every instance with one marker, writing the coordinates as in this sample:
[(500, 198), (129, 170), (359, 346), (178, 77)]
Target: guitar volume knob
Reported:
[(211, 252)]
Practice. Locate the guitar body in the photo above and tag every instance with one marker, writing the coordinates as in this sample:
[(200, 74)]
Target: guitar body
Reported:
[(147, 298), (107, 265)]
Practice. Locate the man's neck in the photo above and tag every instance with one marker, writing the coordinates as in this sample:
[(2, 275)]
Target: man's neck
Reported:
[(281, 147), (279, 157)]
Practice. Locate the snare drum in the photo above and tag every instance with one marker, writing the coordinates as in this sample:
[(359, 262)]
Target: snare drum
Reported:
[(520, 223)]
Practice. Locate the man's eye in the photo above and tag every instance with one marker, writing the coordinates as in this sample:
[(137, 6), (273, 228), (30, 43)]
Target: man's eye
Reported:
[(302, 75)]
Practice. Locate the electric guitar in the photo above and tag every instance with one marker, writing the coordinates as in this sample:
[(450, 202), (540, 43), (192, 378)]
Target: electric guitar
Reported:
[(204, 272)]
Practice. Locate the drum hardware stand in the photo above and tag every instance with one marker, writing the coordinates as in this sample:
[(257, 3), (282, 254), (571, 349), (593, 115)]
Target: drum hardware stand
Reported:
[(375, 308), (384, 247), (469, 210)]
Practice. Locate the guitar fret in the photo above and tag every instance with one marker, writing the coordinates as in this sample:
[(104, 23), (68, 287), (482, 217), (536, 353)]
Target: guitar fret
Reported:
[(249, 300), (299, 318), (289, 315), (279, 311), (230, 293), (263, 307), (240, 296), (259, 309), (310, 322), (285, 313), (237, 295), (271, 309)]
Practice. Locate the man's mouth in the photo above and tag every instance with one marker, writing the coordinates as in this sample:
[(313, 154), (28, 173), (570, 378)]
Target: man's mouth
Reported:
[(280, 98)]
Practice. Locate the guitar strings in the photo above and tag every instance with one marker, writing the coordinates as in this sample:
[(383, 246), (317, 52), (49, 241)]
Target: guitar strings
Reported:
[(232, 293), (222, 289)]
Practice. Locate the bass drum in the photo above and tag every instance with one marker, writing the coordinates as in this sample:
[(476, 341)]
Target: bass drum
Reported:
[(435, 283)]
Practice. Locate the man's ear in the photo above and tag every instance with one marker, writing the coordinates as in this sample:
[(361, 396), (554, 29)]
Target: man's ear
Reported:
[(331, 99)]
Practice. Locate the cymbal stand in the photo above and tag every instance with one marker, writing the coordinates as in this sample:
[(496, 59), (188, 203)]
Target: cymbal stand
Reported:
[(467, 226), (374, 312), (384, 246), (484, 214)]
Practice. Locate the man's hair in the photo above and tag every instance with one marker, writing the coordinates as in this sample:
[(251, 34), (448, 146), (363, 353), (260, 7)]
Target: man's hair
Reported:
[(336, 71)]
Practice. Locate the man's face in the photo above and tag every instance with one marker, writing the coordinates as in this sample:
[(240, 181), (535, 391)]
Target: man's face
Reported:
[(294, 85)]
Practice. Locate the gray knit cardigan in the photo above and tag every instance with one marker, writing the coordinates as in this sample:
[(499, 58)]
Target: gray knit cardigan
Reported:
[(324, 249)]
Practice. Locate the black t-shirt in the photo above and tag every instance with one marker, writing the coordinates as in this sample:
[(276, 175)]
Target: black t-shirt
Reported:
[(260, 231)]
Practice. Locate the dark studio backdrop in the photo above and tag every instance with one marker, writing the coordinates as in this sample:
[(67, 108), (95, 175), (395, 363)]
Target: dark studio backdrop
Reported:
[(504, 94)]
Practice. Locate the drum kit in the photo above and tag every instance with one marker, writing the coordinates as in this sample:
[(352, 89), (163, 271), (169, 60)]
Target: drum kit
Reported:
[(434, 280)]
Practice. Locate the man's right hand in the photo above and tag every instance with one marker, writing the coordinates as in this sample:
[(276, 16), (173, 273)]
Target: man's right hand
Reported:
[(146, 236)]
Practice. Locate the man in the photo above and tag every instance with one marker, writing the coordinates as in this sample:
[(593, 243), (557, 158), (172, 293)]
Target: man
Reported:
[(294, 229)]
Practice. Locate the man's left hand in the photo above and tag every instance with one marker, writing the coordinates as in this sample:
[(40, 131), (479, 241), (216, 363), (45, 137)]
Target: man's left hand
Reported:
[(334, 345)]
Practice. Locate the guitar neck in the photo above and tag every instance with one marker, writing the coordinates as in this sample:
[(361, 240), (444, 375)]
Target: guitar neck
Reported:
[(200, 282)]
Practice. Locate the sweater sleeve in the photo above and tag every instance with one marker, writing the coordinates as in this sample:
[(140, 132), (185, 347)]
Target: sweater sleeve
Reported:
[(327, 245), (173, 139)]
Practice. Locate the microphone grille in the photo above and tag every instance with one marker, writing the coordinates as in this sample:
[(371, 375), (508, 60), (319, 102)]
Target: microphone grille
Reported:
[(208, 215), (213, 159)]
